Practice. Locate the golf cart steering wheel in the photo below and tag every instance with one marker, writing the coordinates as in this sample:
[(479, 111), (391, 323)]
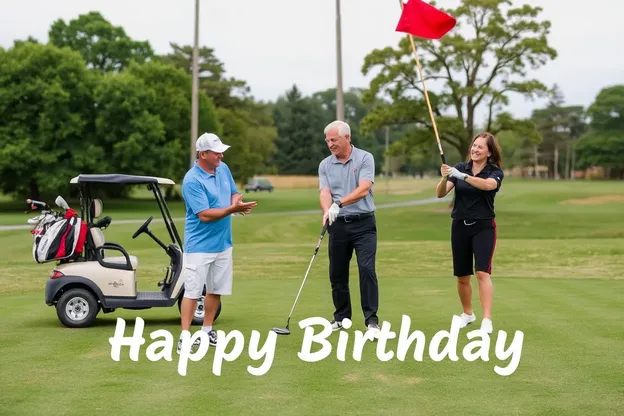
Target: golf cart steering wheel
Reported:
[(143, 227)]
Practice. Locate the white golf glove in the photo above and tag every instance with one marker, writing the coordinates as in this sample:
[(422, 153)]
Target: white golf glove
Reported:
[(454, 173), (332, 213)]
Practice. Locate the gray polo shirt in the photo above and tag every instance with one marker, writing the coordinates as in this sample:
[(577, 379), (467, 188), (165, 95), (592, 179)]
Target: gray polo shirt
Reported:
[(342, 178)]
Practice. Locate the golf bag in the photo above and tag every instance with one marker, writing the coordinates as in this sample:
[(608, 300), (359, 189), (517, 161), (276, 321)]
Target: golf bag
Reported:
[(58, 237)]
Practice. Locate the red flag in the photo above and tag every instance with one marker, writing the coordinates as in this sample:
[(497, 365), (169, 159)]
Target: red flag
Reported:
[(423, 20)]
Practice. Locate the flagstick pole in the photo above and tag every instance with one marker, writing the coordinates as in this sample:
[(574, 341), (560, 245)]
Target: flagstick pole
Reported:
[(422, 79), (339, 92)]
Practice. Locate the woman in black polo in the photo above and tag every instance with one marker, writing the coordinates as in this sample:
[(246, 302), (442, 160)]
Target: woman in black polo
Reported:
[(473, 230)]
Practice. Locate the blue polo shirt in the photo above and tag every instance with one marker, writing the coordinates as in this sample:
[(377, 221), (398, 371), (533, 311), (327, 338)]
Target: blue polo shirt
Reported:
[(201, 191)]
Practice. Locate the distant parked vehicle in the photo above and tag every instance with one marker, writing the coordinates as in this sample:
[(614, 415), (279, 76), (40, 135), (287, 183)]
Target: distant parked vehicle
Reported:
[(259, 185)]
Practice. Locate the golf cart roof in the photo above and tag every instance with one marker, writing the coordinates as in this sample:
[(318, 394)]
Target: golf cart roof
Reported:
[(120, 179)]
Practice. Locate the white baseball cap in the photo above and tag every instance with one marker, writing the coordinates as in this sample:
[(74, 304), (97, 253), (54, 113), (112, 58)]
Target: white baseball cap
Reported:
[(210, 142)]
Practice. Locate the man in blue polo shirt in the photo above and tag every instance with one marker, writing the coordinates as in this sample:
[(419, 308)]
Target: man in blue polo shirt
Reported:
[(210, 197)]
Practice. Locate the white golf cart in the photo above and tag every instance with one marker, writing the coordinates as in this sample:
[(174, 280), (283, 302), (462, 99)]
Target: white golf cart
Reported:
[(80, 287)]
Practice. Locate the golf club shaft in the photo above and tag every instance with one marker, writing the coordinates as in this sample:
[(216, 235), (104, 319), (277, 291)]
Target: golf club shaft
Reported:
[(301, 287), (35, 202), (308, 271)]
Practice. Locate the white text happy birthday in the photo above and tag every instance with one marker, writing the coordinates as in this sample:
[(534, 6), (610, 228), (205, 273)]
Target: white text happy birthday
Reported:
[(230, 345)]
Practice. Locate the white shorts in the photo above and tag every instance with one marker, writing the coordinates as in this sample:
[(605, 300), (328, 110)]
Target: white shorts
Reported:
[(211, 269)]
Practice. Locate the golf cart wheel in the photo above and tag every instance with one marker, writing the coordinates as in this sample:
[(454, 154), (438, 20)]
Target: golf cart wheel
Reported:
[(198, 316), (77, 308)]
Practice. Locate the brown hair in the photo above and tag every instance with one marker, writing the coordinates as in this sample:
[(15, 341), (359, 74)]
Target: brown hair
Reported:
[(493, 147)]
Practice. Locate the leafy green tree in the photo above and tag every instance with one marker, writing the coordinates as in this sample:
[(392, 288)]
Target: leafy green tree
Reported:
[(103, 46), (300, 121), (355, 110), (247, 124), (604, 149), (143, 120), (252, 137), (47, 114), (516, 148), (172, 89), (559, 126), (225, 92), (478, 68), (607, 111), (411, 159), (603, 144), (133, 138)]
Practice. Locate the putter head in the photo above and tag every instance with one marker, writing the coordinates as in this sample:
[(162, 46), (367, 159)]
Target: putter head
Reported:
[(282, 331)]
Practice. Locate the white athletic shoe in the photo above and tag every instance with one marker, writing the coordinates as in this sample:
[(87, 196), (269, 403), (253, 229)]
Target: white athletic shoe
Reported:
[(336, 325), (467, 319), (486, 326), (374, 329)]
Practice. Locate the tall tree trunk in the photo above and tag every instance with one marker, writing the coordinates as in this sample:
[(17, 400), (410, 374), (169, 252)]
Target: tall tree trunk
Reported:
[(535, 160), (386, 161), (34, 190), (567, 165), (572, 163), (556, 168), (169, 193)]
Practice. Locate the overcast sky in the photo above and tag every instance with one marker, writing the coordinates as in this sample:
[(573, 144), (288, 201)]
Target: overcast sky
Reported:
[(274, 43)]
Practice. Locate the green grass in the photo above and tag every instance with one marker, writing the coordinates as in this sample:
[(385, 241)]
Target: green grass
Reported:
[(557, 274)]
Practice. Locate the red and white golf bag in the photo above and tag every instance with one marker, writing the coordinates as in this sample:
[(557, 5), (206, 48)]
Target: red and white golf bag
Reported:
[(58, 238)]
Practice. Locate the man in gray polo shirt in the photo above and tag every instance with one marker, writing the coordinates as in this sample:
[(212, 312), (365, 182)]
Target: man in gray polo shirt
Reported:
[(346, 196)]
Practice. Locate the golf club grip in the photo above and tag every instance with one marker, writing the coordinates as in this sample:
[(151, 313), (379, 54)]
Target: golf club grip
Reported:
[(320, 240), (323, 231), (35, 202)]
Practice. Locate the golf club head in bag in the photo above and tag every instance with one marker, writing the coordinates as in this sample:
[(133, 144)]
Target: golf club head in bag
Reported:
[(60, 201), (286, 330), (35, 205)]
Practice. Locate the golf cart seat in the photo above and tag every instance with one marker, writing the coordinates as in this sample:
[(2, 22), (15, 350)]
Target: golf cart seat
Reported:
[(100, 244)]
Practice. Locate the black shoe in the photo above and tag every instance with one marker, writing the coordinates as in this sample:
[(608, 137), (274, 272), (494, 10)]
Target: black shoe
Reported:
[(195, 345), (212, 337)]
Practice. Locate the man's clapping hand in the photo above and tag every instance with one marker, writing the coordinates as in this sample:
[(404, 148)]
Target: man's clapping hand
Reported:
[(243, 208)]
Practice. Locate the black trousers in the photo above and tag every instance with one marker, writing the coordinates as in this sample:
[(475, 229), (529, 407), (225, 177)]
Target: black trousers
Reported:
[(473, 239), (344, 238)]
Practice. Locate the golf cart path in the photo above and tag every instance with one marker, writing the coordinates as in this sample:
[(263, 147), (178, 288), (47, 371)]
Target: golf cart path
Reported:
[(301, 212)]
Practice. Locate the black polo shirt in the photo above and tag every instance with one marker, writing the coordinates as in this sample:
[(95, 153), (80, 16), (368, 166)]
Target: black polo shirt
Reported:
[(472, 203)]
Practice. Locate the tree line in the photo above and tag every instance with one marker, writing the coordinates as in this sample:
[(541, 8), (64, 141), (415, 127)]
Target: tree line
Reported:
[(92, 99)]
